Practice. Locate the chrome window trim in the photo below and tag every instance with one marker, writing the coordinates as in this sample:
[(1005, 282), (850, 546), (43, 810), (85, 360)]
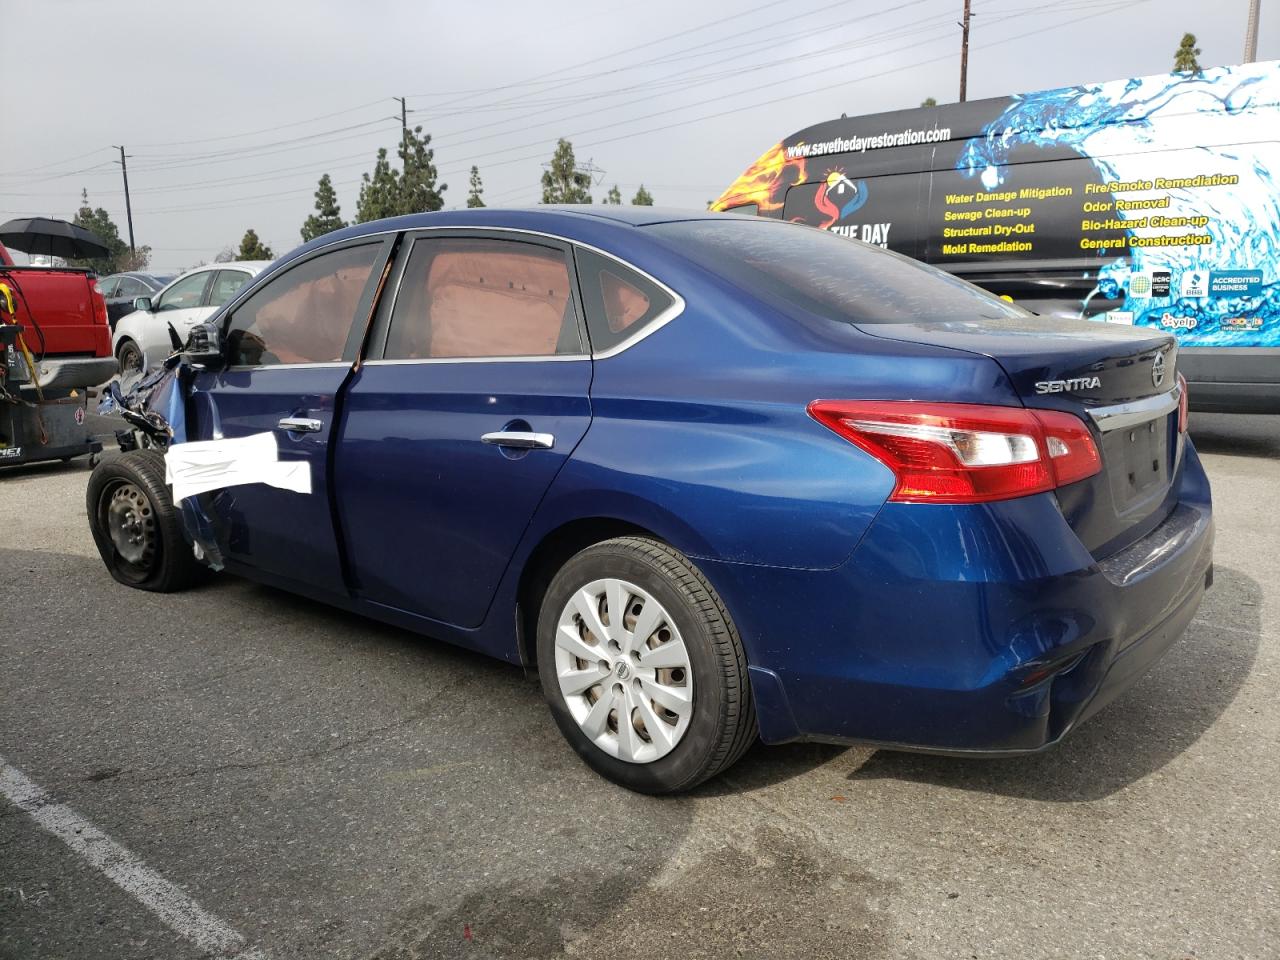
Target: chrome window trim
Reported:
[(657, 323), (1122, 415), (289, 366), (554, 358)]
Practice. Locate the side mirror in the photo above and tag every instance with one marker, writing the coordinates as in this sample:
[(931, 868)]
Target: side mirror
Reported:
[(204, 348), (142, 303)]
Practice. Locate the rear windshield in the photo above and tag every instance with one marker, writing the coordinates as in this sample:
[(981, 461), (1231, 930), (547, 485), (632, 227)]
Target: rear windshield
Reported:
[(830, 275)]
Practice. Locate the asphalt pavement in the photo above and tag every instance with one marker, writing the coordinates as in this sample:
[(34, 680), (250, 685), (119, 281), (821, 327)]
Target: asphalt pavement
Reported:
[(234, 771)]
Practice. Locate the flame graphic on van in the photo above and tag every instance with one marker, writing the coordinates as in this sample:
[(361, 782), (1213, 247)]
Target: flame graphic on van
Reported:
[(765, 182), (1132, 130)]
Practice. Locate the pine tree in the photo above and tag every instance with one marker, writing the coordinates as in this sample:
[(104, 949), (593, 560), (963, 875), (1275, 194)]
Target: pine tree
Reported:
[(562, 182), (643, 198), (1184, 60), (614, 195), (99, 223), (477, 188), (328, 216), (418, 191), (379, 192), (251, 248)]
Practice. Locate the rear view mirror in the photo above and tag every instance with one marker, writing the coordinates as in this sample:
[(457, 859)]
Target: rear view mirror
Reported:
[(204, 347), (143, 304)]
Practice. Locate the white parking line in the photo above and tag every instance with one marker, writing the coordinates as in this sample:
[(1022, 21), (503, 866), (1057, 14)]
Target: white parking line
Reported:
[(179, 912)]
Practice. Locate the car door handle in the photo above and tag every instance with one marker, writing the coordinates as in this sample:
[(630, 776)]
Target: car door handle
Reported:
[(300, 425), (521, 439)]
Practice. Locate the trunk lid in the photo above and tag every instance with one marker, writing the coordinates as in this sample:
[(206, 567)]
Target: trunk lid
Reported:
[(1120, 380)]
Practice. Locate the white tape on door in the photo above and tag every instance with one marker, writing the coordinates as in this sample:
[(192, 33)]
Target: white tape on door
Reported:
[(192, 468)]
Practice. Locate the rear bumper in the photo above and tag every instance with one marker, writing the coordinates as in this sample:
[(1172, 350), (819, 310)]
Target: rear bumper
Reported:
[(974, 629)]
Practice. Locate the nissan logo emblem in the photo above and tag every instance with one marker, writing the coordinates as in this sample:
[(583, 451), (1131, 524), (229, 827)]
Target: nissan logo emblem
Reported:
[(1157, 370)]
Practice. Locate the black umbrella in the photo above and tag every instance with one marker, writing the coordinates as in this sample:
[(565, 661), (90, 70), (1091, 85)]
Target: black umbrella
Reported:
[(52, 238)]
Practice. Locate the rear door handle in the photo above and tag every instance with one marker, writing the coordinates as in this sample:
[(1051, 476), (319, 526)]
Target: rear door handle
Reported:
[(301, 425), (521, 439)]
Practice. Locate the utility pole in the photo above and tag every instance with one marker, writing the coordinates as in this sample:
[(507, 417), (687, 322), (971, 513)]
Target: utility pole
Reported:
[(404, 132), (1251, 33), (128, 208), (964, 53)]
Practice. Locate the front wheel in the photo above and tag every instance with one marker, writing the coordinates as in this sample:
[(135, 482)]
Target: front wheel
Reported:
[(130, 358), (642, 667), (136, 526)]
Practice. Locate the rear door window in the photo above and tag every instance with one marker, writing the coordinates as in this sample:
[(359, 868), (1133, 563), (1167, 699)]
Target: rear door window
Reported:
[(467, 298), (226, 286), (305, 314), (108, 286)]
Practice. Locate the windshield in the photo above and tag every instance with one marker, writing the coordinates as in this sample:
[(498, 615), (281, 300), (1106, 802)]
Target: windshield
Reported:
[(829, 275)]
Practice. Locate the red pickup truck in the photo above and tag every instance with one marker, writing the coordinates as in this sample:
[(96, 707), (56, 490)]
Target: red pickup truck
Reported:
[(43, 389)]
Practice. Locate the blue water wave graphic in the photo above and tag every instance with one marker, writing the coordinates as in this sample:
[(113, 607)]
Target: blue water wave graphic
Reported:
[(1134, 130)]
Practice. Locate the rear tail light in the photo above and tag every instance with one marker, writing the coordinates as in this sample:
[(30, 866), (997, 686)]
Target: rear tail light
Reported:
[(99, 306), (965, 453), (1184, 409)]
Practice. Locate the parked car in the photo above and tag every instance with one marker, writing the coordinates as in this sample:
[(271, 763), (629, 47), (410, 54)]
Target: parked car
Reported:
[(141, 339), (716, 476), (122, 289), (54, 342)]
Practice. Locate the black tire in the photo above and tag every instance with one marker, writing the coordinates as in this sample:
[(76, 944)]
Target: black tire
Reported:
[(129, 357), (723, 722), (162, 560)]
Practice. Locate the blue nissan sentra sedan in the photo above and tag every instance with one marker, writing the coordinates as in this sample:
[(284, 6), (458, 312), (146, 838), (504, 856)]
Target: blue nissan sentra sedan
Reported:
[(717, 477)]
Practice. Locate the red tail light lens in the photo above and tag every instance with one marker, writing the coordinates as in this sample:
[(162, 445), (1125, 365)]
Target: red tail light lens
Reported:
[(965, 453), (1184, 407), (99, 306)]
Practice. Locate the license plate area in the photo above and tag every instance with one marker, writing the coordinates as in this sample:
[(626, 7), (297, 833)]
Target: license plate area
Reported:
[(1139, 462)]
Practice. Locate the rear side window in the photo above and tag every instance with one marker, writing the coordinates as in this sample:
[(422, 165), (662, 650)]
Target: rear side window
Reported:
[(108, 286), (226, 285), (305, 314), (620, 302), (468, 298), (793, 266)]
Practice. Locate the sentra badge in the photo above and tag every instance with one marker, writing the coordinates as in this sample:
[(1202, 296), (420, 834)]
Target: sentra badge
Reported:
[(1068, 386)]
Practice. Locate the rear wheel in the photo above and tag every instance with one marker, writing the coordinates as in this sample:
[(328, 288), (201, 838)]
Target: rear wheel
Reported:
[(136, 526), (129, 355), (643, 667)]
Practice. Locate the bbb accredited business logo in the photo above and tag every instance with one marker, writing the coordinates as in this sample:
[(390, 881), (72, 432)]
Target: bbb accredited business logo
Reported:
[(1195, 284), (1235, 283)]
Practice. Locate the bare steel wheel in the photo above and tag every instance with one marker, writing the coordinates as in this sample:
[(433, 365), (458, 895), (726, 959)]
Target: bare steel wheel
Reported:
[(624, 671), (135, 524), (131, 523), (642, 667), (130, 357)]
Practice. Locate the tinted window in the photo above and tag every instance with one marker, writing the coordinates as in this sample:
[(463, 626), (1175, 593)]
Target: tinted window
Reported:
[(226, 285), (130, 287), (619, 301), (305, 314), (840, 279), (187, 292), (483, 298)]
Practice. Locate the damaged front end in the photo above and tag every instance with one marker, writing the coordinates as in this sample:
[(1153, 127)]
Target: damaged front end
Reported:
[(156, 408)]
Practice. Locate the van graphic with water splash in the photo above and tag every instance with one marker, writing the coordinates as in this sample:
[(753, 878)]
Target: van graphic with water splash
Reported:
[(1143, 201)]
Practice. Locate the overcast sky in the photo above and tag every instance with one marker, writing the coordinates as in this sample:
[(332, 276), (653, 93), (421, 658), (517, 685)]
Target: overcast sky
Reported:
[(230, 112)]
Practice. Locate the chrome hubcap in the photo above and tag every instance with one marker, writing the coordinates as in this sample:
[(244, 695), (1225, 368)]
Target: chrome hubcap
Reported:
[(624, 671), (131, 524)]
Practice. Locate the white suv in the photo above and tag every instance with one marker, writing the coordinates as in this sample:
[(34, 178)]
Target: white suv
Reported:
[(141, 339)]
